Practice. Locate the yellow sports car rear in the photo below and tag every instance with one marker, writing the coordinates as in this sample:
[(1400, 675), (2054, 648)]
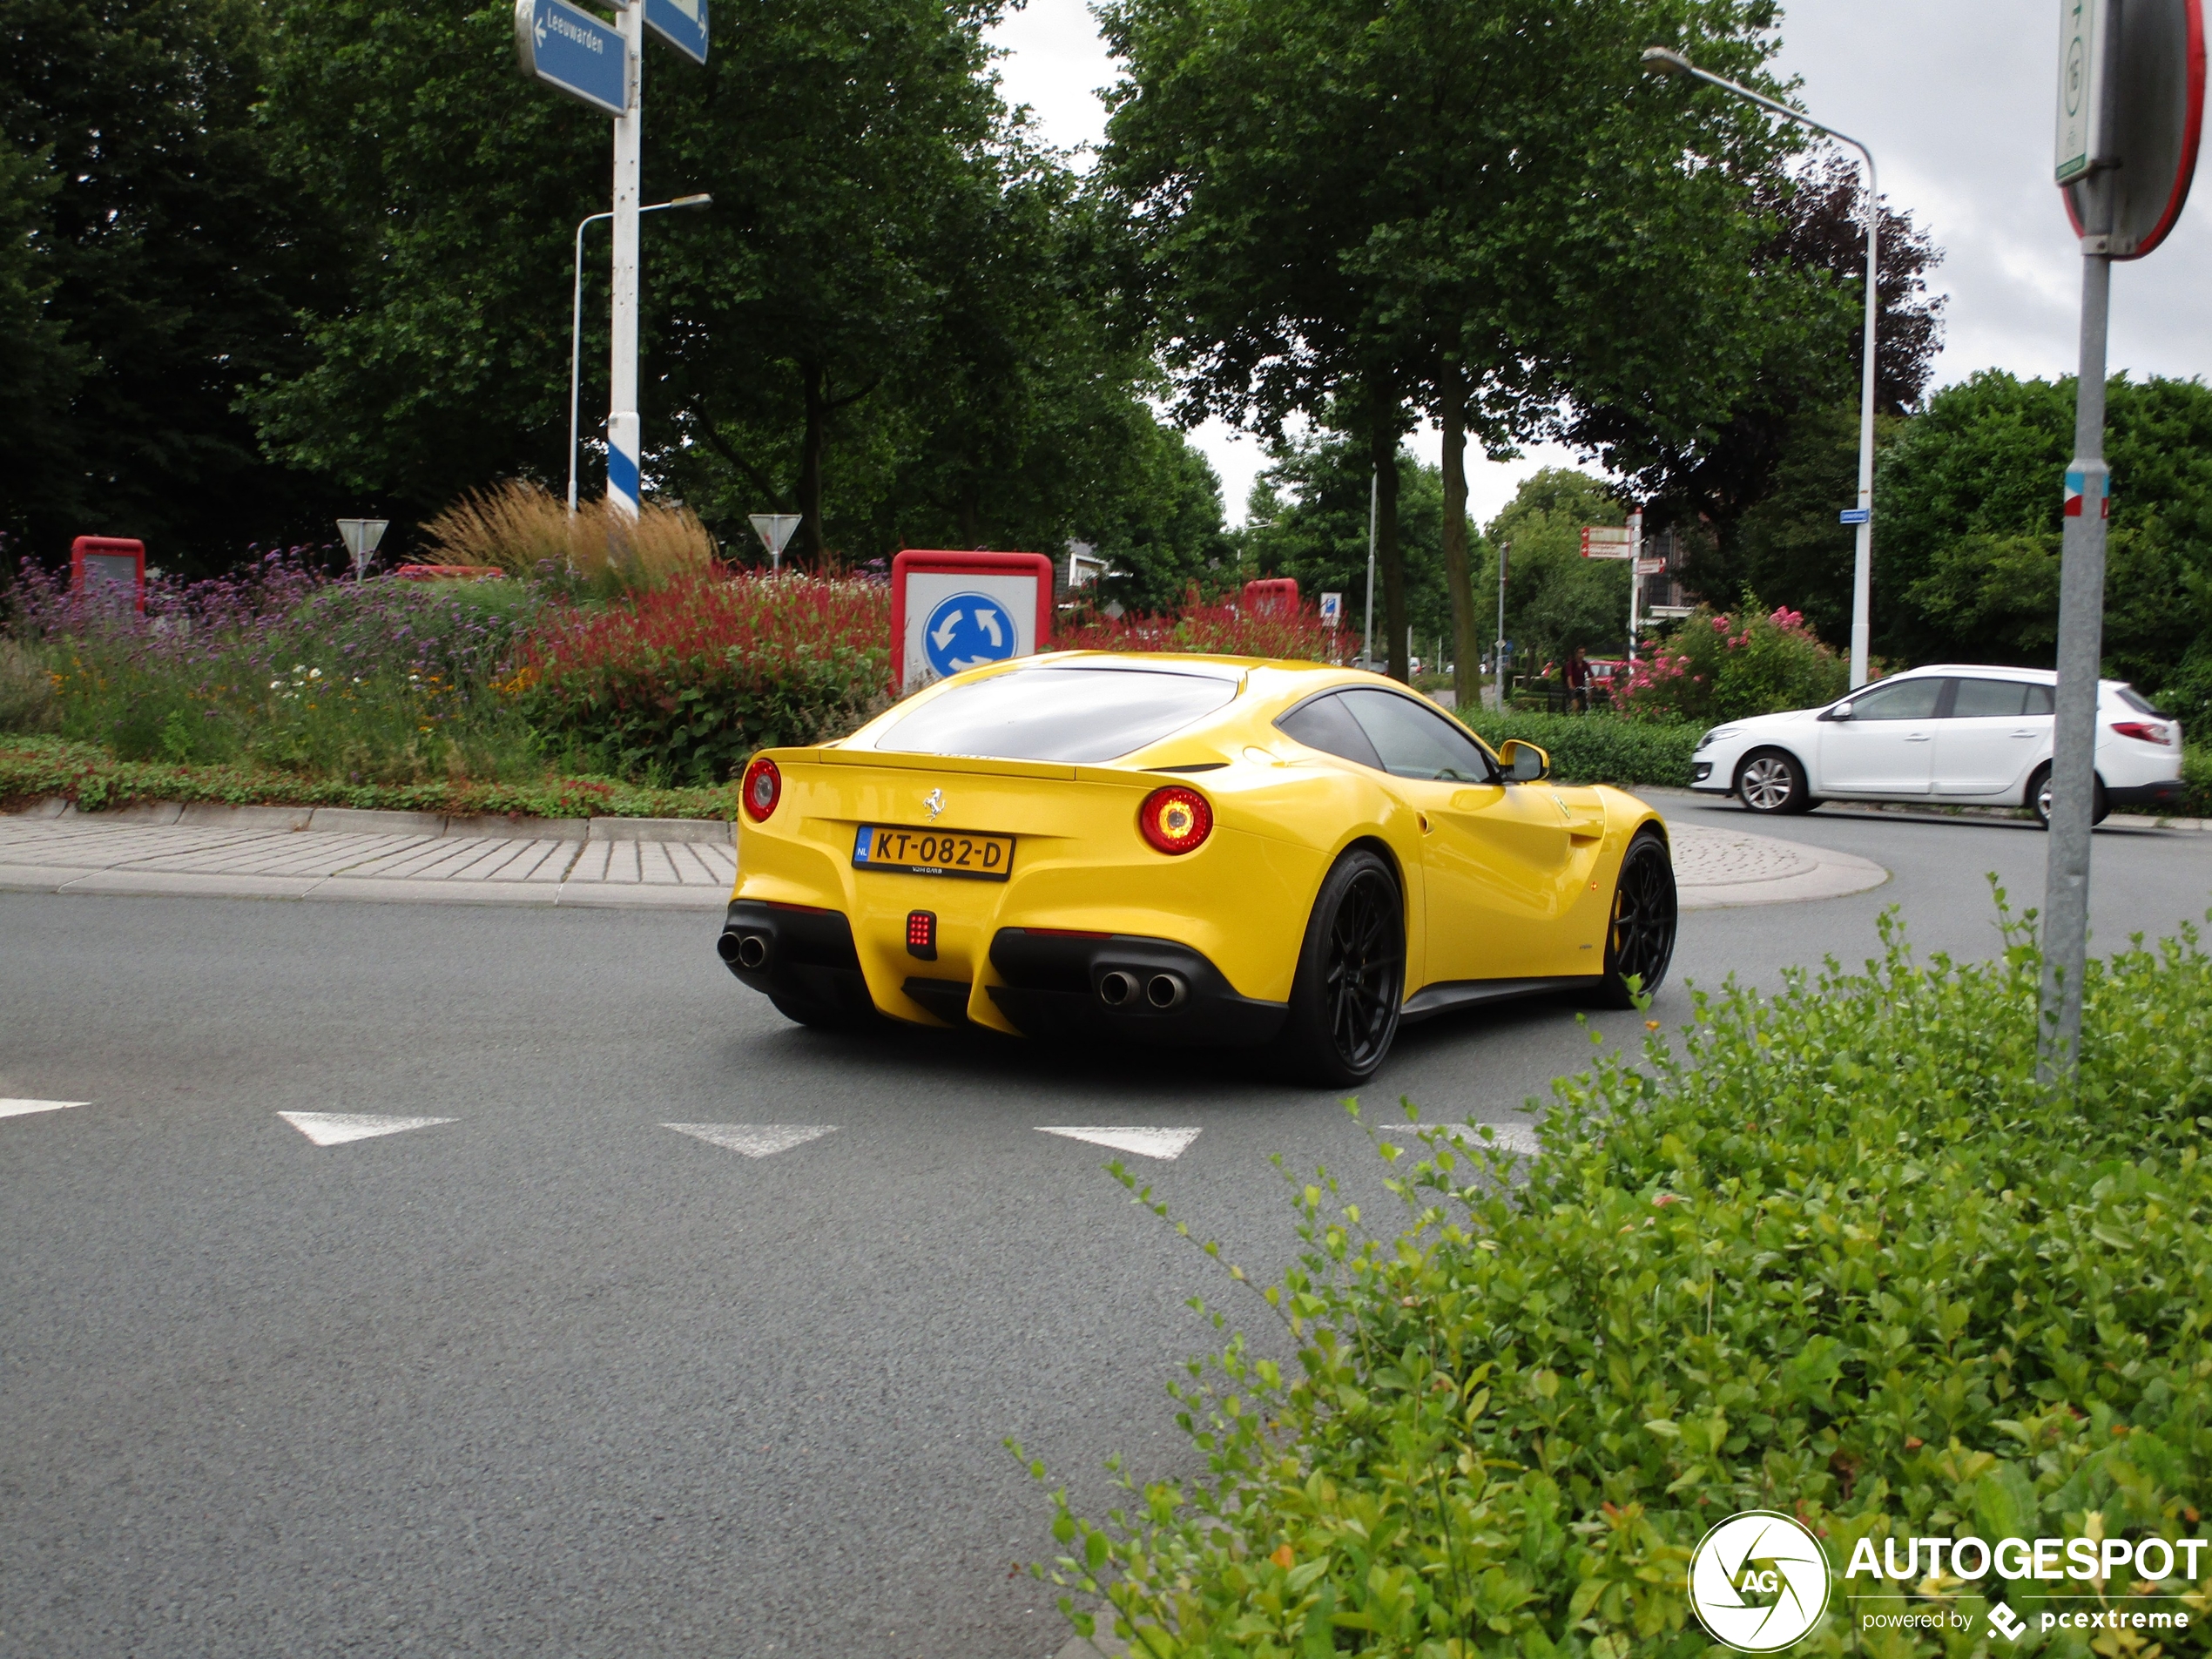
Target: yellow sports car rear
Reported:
[(1185, 850)]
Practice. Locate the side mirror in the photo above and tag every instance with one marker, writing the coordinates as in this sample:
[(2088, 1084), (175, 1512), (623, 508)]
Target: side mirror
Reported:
[(1841, 712), (1525, 763)]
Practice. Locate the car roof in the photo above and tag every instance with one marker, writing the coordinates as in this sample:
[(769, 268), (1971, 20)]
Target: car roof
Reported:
[(1985, 671)]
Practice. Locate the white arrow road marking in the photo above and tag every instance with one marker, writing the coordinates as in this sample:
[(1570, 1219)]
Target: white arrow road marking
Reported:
[(22, 1108), (335, 1129), (988, 622), (1145, 1143), (943, 637), (754, 1140)]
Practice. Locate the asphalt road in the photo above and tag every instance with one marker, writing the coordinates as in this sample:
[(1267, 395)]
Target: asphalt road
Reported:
[(553, 1379)]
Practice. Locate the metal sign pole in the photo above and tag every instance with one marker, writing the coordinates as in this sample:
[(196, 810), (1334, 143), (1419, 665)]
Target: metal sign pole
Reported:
[(624, 437), (2081, 604), (1636, 576), (1367, 633)]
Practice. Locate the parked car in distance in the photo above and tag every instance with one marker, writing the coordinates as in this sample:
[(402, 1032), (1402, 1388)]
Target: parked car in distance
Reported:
[(1954, 733)]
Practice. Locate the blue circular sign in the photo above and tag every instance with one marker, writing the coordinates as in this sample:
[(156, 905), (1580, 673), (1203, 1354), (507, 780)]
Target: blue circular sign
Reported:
[(966, 631)]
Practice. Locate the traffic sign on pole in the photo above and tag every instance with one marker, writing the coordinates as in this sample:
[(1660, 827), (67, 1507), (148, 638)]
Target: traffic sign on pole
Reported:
[(1607, 542), (682, 23), (774, 530), (1855, 516), (573, 52), (2141, 68), (2143, 154), (2082, 81), (361, 537)]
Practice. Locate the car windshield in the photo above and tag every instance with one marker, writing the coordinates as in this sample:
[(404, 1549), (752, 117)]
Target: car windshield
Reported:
[(1077, 715)]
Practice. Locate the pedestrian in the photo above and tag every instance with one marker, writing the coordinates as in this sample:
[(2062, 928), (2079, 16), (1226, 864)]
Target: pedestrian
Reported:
[(1578, 681)]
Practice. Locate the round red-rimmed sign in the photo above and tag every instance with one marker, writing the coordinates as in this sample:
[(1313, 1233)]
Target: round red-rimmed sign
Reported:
[(2155, 105)]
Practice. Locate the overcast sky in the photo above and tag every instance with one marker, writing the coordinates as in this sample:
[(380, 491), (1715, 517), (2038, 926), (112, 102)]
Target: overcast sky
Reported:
[(1954, 97)]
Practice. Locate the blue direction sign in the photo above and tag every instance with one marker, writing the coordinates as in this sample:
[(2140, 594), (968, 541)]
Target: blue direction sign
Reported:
[(967, 632), (572, 51), (1855, 516), (682, 23)]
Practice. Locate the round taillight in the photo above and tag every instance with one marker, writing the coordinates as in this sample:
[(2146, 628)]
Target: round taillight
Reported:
[(1175, 819), (762, 789)]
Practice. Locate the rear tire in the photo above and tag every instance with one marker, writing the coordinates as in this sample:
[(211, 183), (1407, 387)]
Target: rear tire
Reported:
[(1640, 936), (2038, 799), (1770, 783), (1351, 977)]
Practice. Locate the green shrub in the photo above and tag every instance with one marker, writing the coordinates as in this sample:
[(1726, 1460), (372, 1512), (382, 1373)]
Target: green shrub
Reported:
[(1598, 748), (1718, 666), (682, 684), (1838, 1254)]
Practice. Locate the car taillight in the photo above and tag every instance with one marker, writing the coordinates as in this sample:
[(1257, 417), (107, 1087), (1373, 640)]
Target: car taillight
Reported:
[(762, 789), (1175, 819), (2143, 732)]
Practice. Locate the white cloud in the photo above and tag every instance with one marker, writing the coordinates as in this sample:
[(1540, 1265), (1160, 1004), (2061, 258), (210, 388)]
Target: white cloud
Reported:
[(1955, 98)]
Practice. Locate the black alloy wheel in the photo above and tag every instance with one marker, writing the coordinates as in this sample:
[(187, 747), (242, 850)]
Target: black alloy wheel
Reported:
[(1772, 783), (1351, 978), (1640, 937)]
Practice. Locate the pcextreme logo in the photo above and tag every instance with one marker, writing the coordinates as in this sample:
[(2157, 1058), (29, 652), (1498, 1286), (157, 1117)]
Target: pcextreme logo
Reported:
[(1759, 1581)]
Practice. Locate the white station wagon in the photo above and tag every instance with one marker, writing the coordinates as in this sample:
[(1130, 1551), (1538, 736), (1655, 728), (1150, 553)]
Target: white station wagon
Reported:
[(1947, 733)]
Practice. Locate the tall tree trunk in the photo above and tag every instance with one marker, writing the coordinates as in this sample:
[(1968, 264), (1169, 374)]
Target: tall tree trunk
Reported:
[(1466, 650), (1382, 451), (812, 379)]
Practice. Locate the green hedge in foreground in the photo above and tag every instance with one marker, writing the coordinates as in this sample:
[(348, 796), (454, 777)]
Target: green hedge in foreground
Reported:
[(1834, 1253), (33, 768)]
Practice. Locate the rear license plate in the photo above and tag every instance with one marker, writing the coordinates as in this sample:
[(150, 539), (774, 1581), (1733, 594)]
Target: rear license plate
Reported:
[(926, 852)]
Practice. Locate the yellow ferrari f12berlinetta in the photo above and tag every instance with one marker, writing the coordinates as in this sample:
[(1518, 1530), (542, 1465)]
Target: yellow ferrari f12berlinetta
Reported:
[(1186, 850)]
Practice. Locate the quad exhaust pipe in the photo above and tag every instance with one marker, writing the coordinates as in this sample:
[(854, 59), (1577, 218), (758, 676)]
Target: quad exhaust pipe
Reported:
[(1118, 989)]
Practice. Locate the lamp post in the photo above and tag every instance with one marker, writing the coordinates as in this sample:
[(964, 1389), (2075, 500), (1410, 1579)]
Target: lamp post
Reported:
[(1661, 61), (575, 322)]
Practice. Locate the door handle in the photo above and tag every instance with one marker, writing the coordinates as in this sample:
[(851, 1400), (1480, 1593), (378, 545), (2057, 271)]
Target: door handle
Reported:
[(2029, 734), (1916, 737)]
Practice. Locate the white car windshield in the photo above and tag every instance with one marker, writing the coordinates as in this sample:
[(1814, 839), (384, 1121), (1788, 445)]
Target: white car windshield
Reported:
[(1074, 714)]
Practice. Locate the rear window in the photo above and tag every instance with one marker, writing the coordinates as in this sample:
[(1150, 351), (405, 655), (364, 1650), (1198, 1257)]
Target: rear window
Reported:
[(1077, 716), (2141, 704)]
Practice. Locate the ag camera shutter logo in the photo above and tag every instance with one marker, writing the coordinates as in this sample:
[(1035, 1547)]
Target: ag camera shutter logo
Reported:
[(1759, 1581)]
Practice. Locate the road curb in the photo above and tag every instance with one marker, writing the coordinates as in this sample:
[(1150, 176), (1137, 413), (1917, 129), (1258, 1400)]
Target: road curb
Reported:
[(315, 889), (360, 820)]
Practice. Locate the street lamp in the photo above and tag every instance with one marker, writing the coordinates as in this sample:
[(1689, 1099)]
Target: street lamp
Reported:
[(575, 324), (1659, 60)]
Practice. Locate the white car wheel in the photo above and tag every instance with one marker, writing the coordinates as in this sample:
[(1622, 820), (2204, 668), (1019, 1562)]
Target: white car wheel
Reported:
[(1771, 782)]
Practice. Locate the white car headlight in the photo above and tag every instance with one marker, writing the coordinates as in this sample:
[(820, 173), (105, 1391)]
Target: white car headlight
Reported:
[(1715, 736)]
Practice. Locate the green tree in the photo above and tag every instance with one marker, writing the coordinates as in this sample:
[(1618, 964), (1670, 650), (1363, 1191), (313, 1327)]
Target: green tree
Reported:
[(1307, 518), (1385, 207), (155, 256), (889, 322), (1966, 555), (1555, 599)]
